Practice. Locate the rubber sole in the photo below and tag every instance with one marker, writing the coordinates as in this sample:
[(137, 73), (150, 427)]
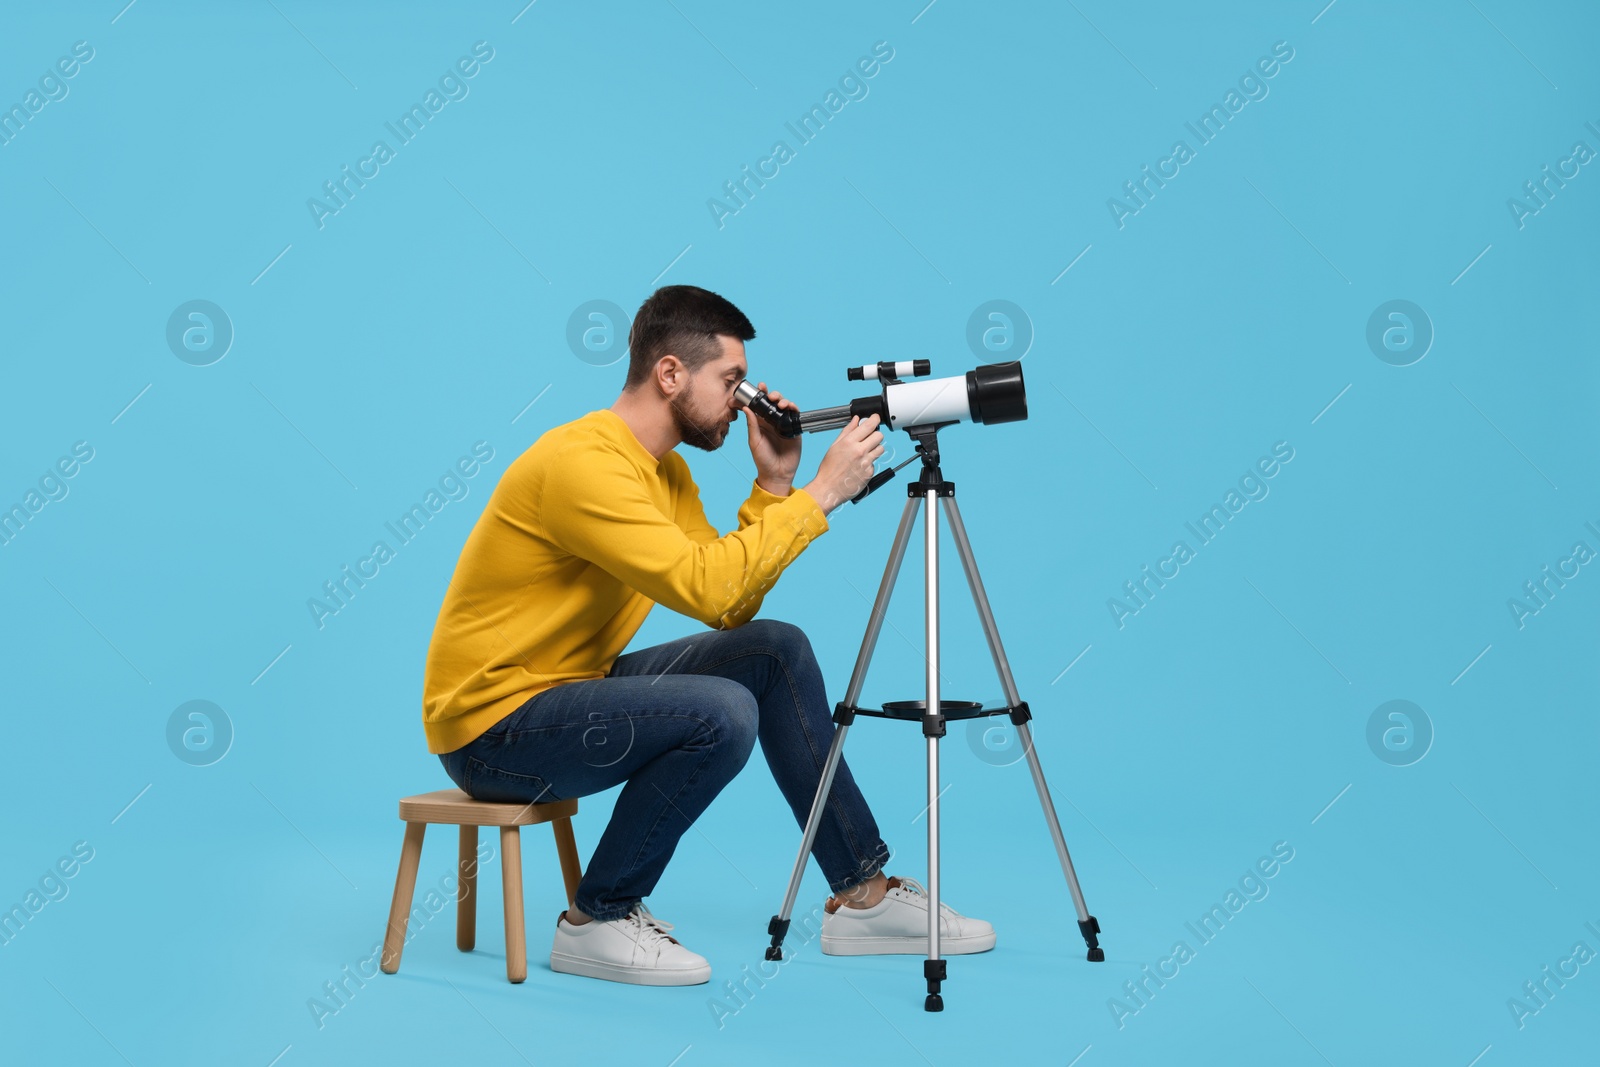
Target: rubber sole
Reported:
[(615, 972), (912, 946)]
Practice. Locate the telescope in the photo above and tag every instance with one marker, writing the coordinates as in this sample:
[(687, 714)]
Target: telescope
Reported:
[(989, 393)]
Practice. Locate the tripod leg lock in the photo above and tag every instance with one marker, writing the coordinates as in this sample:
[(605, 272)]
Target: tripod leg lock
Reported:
[(843, 714), (1020, 714), (779, 929), (934, 972), (1089, 928)]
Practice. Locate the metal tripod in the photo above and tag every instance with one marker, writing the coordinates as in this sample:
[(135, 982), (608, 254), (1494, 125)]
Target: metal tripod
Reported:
[(930, 487)]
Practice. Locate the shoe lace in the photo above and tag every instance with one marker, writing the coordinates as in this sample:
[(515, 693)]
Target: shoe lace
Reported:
[(650, 927), (914, 886)]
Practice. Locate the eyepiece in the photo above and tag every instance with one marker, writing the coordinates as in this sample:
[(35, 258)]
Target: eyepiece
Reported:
[(746, 395)]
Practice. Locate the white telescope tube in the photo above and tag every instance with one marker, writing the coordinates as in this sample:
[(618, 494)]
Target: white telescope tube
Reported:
[(934, 400)]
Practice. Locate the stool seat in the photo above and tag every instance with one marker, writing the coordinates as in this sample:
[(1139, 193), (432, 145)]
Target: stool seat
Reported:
[(452, 807)]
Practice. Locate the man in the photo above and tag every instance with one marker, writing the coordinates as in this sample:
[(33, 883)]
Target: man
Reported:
[(526, 698)]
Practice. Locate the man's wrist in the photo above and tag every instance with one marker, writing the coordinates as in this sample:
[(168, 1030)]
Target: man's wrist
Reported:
[(824, 496), (776, 486)]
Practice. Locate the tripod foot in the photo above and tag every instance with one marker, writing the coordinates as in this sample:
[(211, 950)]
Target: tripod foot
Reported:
[(778, 928), (1089, 928), (934, 972)]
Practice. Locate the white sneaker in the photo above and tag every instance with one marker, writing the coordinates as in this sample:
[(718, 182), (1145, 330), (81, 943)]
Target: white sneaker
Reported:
[(899, 923), (635, 948)]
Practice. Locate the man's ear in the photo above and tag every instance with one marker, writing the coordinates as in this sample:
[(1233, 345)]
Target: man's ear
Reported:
[(672, 377)]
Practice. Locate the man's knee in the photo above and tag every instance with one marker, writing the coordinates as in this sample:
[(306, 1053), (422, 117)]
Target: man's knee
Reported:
[(732, 714), (785, 638)]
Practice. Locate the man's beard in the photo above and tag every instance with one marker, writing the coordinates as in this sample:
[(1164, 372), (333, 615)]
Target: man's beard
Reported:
[(708, 437)]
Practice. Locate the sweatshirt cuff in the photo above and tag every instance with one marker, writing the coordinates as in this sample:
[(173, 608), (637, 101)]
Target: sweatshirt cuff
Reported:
[(813, 521), (761, 498)]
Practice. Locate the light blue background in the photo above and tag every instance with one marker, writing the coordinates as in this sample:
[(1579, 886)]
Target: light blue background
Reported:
[(1222, 318)]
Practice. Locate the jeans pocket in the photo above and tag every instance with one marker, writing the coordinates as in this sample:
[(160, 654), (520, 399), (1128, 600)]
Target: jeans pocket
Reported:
[(494, 785)]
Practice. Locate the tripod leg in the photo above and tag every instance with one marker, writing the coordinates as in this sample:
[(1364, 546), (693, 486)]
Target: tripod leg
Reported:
[(778, 926), (1088, 925), (933, 968)]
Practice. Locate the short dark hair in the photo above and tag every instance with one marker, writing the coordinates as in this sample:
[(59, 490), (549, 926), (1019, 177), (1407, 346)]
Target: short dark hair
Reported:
[(684, 321)]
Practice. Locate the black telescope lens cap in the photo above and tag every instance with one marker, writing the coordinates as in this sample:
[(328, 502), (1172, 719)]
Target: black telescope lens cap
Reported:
[(996, 394)]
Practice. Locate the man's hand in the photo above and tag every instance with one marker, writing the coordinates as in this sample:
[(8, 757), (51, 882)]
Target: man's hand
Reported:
[(777, 457), (847, 466)]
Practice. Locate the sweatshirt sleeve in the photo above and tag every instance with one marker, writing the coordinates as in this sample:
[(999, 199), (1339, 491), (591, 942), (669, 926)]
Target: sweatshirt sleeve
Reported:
[(594, 505), (691, 516)]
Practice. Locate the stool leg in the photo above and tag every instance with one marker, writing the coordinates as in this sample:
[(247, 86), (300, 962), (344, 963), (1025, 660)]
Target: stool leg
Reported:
[(511, 877), (567, 850), (467, 899), (405, 884)]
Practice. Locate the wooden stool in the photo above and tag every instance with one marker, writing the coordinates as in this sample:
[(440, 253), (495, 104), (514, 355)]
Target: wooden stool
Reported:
[(453, 807)]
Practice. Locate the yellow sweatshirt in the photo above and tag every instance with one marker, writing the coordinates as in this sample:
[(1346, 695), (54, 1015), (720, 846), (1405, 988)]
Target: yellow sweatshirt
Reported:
[(585, 532)]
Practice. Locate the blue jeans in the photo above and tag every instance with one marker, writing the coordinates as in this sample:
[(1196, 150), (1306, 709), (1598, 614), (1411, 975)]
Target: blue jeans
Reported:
[(676, 722)]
